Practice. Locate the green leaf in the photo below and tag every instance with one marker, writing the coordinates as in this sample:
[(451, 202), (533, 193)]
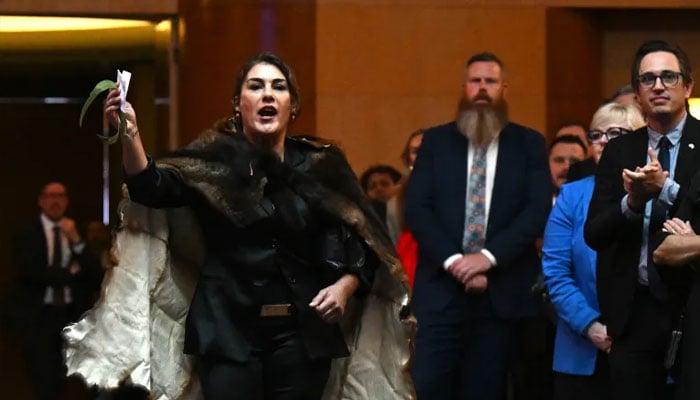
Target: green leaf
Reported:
[(121, 131), (99, 88)]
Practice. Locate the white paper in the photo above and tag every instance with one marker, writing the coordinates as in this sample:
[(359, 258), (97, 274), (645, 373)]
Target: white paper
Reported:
[(123, 78)]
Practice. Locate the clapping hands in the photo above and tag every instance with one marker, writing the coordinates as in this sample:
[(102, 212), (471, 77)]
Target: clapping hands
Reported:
[(644, 182)]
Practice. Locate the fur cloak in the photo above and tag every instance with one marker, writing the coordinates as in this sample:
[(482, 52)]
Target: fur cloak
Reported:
[(135, 333)]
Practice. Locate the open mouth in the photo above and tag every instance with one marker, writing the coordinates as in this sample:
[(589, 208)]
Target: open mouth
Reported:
[(267, 111)]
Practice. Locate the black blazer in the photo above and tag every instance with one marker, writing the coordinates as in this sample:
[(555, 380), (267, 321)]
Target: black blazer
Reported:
[(616, 239), (520, 203), (685, 282), (267, 261), (26, 298)]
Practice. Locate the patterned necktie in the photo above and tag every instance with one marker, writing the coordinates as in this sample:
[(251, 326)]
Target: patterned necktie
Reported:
[(475, 215), (57, 262)]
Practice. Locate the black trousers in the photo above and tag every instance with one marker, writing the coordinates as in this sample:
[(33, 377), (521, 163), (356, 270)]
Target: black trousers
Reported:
[(636, 358), (42, 346), (584, 387), (278, 368), (462, 352), (531, 367)]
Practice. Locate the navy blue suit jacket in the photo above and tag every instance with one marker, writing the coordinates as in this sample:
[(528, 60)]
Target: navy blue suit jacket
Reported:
[(520, 203)]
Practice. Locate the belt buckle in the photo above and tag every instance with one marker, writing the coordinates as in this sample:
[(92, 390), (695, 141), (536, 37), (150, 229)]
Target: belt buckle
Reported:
[(276, 310)]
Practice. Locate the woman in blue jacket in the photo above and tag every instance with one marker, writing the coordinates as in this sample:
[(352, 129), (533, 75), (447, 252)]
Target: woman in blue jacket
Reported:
[(569, 267)]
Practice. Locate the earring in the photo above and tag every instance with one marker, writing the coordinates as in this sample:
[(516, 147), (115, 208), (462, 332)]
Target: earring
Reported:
[(293, 116), (237, 116)]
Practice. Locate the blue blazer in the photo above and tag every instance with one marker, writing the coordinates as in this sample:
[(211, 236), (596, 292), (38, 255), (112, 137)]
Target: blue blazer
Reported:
[(569, 267), (521, 199)]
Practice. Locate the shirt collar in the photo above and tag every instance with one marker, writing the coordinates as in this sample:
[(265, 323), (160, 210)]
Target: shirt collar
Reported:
[(674, 135), (47, 223)]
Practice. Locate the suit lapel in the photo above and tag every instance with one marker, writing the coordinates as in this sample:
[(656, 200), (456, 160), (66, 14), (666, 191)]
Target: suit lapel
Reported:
[(456, 162), (686, 164), (505, 153), (42, 242)]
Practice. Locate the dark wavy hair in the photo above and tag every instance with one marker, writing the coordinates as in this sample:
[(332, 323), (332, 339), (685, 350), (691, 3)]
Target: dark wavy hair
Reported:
[(379, 169), (272, 59)]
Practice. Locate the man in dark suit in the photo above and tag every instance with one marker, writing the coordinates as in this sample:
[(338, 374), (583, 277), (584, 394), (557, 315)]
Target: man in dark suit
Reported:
[(57, 280), (640, 180), (477, 257), (678, 255)]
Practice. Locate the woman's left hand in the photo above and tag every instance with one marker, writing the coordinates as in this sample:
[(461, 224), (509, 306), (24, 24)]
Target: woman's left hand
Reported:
[(330, 302)]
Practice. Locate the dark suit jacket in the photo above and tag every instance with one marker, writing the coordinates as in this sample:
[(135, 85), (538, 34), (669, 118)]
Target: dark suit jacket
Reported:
[(26, 298), (520, 202), (685, 283), (608, 231), (581, 170)]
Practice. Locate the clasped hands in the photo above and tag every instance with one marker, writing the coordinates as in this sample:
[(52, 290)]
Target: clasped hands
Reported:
[(470, 271), (598, 335), (644, 183)]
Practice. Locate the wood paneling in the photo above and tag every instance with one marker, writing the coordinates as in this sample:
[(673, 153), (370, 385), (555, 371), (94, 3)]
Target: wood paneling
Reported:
[(219, 36), (624, 31), (384, 71), (521, 3), (573, 68)]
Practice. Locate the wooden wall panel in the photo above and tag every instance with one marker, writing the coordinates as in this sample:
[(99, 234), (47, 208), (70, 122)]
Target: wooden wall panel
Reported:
[(384, 71), (218, 36), (573, 68), (624, 32), (617, 4)]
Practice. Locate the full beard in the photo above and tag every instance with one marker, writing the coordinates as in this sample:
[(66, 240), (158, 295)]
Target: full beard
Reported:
[(481, 124)]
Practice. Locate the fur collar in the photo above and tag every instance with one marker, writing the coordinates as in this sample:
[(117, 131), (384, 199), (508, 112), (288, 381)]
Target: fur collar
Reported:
[(232, 173)]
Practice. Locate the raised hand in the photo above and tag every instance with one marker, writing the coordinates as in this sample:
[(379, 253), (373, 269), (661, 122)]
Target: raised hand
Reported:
[(111, 106), (645, 182), (69, 230)]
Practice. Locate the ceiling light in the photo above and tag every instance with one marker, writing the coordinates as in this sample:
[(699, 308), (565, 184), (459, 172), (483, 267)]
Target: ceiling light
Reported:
[(46, 24)]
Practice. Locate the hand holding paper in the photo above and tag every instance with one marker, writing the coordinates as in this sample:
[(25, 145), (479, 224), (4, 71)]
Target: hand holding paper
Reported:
[(122, 85), (123, 79)]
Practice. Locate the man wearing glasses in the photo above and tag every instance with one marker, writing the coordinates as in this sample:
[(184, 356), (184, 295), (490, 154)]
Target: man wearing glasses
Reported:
[(641, 178)]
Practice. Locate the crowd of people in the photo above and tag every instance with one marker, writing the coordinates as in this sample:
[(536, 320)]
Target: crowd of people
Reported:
[(275, 273)]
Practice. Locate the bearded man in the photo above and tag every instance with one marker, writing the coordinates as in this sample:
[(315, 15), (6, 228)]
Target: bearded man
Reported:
[(478, 198)]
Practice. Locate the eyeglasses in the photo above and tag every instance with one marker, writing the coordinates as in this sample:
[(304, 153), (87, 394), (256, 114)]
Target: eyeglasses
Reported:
[(668, 78), (596, 134)]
